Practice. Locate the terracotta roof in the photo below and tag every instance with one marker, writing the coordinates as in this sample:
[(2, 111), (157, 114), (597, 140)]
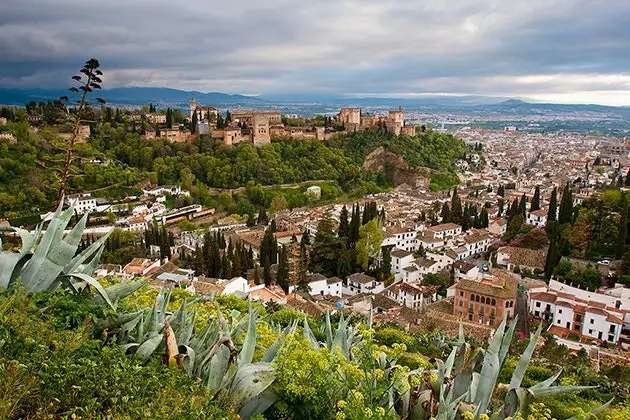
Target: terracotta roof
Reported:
[(383, 302), (543, 296), (477, 235), (410, 289), (399, 253), (597, 311), (463, 266), (333, 280), (614, 319), (502, 286), (525, 257), (542, 213), (426, 263), (444, 227), (361, 278)]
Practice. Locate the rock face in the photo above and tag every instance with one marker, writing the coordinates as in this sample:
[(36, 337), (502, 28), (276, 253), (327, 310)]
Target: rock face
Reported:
[(396, 168)]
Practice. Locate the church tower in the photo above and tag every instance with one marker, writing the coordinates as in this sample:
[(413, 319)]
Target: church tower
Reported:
[(193, 106)]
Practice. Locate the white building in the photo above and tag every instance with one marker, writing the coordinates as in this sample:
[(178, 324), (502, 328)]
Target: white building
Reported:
[(598, 316), (537, 218), (400, 260), (401, 238), (83, 203), (477, 241), (413, 296), (361, 283)]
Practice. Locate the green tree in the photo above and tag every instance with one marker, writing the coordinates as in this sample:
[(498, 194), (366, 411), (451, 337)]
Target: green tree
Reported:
[(282, 276), (566, 206), (344, 226), (369, 244), (278, 203), (445, 214), (535, 205), (457, 213), (553, 205), (553, 253), (501, 191), (326, 249)]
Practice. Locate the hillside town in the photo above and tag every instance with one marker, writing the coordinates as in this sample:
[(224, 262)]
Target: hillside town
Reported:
[(487, 277)]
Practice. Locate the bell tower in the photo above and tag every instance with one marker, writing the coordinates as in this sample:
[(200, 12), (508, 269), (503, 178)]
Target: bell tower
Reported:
[(193, 106)]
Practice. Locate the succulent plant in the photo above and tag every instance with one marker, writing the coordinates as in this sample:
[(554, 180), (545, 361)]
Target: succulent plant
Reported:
[(48, 261), (209, 355)]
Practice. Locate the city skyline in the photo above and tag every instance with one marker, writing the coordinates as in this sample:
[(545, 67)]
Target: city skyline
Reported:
[(552, 51)]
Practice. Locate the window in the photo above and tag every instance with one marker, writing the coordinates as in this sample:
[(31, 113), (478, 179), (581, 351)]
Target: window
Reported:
[(461, 303), (538, 304), (483, 299), (476, 298), (612, 329), (494, 302), (611, 338), (592, 321), (461, 293), (590, 332), (559, 311), (558, 322), (537, 313)]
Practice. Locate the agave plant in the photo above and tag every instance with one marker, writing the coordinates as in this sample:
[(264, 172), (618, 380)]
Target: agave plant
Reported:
[(345, 337), (46, 262), (210, 355), (458, 385)]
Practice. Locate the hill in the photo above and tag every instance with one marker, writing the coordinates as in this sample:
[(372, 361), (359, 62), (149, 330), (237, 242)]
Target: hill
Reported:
[(131, 96)]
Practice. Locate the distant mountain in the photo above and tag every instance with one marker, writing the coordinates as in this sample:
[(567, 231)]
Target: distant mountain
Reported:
[(438, 100), (135, 96)]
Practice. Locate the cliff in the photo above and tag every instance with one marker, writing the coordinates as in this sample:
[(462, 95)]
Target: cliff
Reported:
[(396, 168)]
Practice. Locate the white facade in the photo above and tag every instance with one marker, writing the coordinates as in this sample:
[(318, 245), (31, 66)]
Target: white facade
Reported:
[(537, 218), (361, 283), (237, 284), (83, 204), (400, 260), (406, 240)]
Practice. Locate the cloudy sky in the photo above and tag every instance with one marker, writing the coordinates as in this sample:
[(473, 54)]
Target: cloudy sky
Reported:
[(574, 51)]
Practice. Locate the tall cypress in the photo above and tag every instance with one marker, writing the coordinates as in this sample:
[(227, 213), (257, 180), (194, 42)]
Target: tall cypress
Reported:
[(282, 277), (522, 206), (355, 225), (553, 253), (535, 200), (501, 191), (627, 181), (445, 214), (553, 205), (344, 227), (566, 205), (466, 224), (456, 207), (485, 222), (620, 249)]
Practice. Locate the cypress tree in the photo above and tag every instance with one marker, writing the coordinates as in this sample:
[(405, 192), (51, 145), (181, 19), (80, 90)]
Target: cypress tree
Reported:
[(501, 191), (553, 253), (262, 217), (514, 208), (627, 181), (620, 249), (355, 224), (485, 222), (535, 200), (256, 274), (501, 204), (466, 219), (193, 124), (566, 206), (344, 227), (553, 205), (282, 277), (522, 206), (456, 208), (445, 214)]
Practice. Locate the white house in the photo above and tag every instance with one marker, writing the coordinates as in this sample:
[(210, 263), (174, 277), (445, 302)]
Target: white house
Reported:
[(413, 296), (411, 273), (477, 241), (537, 218), (498, 226), (445, 229), (465, 270), (442, 260), (401, 237), (400, 260), (334, 286), (83, 203), (361, 283), (570, 309)]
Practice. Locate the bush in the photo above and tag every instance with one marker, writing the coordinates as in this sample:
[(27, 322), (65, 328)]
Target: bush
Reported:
[(47, 371)]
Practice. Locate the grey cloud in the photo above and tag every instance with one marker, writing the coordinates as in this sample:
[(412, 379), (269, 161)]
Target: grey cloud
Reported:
[(336, 46)]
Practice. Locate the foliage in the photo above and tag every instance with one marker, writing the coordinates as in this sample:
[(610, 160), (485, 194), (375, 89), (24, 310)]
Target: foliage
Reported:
[(50, 368)]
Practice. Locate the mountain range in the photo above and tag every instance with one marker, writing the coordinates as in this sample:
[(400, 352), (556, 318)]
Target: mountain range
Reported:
[(165, 97)]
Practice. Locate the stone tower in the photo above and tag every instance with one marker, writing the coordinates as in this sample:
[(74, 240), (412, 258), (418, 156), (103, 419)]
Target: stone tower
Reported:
[(193, 106)]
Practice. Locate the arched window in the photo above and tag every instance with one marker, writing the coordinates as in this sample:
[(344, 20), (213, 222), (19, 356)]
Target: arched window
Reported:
[(483, 299), (511, 304), (472, 297), (507, 303), (494, 302), (477, 298)]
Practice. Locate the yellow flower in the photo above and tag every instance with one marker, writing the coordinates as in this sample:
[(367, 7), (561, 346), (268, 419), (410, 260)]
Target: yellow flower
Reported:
[(368, 413), (380, 411), (340, 416), (468, 416), (341, 404), (484, 417)]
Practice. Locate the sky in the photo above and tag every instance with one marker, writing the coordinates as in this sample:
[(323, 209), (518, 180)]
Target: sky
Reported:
[(570, 51)]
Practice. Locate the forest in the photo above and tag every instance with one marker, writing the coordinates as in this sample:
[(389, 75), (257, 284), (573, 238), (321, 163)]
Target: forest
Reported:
[(116, 160)]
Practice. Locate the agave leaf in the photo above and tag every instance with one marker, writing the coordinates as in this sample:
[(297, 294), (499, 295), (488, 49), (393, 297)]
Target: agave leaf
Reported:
[(184, 334), (598, 410), (308, 334), (258, 405), (217, 368), (249, 344), (250, 381), (131, 346), (523, 362), (187, 355), (490, 370), (507, 339), (147, 348), (47, 261), (547, 382), (11, 263), (555, 390), (329, 334), (92, 282), (171, 344), (119, 291), (94, 248)]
